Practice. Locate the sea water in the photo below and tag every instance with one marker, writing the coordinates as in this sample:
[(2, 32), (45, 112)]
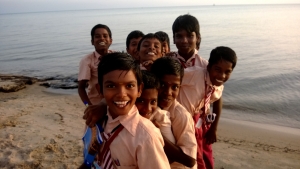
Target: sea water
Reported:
[(264, 86)]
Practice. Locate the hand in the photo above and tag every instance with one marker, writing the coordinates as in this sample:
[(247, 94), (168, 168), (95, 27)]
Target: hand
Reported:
[(156, 124), (94, 113), (211, 136), (147, 64)]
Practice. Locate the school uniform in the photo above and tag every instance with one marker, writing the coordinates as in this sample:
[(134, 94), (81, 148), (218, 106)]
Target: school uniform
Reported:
[(162, 117), (194, 87), (88, 70), (138, 145), (195, 60), (183, 131)]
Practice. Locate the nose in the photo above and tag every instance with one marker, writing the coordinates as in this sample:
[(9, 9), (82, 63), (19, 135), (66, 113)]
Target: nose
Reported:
[(168, 91), (121, 92), (147, 108), (184, 39)]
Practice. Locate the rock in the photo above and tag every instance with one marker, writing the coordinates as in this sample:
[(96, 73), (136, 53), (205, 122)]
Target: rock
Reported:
[(12, 83)]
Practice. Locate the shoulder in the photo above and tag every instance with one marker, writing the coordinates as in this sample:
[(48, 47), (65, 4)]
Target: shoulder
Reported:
[(161, 115), (200, 61), (146, 129), (87, 58), (180, 111)]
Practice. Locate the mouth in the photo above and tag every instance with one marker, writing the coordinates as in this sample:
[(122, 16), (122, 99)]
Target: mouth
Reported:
[(121, 104), (102, 43), (219, 81), (151, 53)]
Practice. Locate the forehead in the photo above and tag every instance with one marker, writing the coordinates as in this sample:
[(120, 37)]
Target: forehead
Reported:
[(224, 64), (101, 31), (135, 40), (149, 94), (150, 40), (119, 76), (184, 32), (170, 79)]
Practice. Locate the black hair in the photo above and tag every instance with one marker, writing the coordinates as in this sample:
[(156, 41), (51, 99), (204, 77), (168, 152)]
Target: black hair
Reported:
[(100, 26), (118, 61), (167, 66), (150, 80), (164, 37), (149, 36), (222, 53), (188, 23), (133, 35)]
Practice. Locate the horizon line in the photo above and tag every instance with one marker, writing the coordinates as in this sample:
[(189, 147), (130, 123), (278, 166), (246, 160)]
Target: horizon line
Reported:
[(146, 7)]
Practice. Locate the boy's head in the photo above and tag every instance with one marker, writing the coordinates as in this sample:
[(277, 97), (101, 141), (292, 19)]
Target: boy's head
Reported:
[(147, 102), (101, 37), (170, 73), (222, 61), (164, 38), (186, 33), (120, 81), (150, 48), (132, 42)]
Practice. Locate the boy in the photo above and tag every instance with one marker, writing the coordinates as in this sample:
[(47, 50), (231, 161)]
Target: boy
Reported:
[(101, 40), (148, 108), (164, 38), (187, 38), (149, 49), (170, 73), (139, 143), (201, 87), (132, 42)]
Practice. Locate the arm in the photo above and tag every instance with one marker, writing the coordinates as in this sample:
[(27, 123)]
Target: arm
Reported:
[(94, 113), (82, 92), (211, 135), (174, 153)]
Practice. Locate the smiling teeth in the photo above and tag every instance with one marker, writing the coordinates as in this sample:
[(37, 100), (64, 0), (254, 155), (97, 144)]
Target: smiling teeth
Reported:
[(150, 53), (121, 103), (220, 81), (101, 43)]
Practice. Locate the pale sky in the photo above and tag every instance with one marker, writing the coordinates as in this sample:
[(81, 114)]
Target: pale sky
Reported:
[(19, 6)]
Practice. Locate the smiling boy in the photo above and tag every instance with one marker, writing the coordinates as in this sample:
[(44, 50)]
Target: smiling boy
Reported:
[(101, 40), (149, 49), (121, 84)]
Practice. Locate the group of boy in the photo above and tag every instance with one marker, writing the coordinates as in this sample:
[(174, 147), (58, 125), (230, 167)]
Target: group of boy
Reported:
[(173, 90)]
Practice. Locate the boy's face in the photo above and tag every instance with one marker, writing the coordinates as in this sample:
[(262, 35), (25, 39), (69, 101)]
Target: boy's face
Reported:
[(120, 89), (132, 48), (166, 48), (150, 50), (185, 42), (170, 85), (147, 102), (101, 39), (219, 73)]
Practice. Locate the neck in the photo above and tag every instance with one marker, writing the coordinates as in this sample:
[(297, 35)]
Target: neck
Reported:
[(187, 55), (102, 51)]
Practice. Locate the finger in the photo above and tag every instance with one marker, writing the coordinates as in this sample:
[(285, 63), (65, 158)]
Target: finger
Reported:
[(88, 121)]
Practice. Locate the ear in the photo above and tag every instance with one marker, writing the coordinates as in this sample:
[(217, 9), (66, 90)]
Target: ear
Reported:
[(173, 39), (208, 67), (140, 89), (98, 87)]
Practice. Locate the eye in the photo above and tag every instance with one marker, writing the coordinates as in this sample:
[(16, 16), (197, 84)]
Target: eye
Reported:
[(139, 101), (175, 87), (110, 86), (153, 102), (130, 86)]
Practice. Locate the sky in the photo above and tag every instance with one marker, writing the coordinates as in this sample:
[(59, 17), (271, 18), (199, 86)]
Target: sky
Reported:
[(20, 6)]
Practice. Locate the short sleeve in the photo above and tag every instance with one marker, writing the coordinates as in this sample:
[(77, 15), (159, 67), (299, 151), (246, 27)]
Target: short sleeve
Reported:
[(84, 69)]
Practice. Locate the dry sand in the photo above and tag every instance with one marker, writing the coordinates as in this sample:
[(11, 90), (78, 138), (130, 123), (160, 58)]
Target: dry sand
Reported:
[(43, 130)]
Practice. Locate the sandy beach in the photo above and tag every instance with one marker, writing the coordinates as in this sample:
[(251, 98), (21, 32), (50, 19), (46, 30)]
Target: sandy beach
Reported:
[(40, 129)]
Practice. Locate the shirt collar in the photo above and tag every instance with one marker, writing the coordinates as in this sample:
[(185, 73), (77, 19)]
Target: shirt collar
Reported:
[(129, 121), (97, 55)]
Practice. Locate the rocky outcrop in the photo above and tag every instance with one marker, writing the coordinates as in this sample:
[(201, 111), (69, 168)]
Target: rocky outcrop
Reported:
[(12, 83)]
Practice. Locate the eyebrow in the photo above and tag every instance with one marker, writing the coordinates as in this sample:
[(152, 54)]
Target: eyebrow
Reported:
[(109, 81)]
